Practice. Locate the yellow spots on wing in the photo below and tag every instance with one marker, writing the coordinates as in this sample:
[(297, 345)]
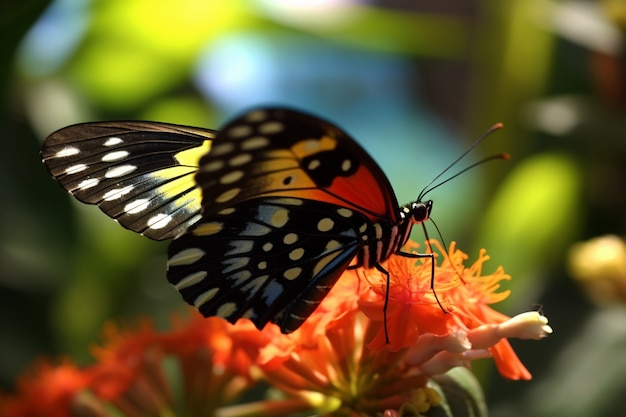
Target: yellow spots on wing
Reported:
[(240, 277), (233, 264), (296, 254), (314, 164), (239, 131), (322, 263), (222, 148), (212, 166), (186, 257), (205, 297), (239, 247), (255, 284), (344, 212), (208, 229), (226, 211), (332, 244), (255, 142), (378, 231), (227, 195), (193, 279), (272, 127), (292, 273), (226, 310), (325, 225), (241, 159), (288, 201), (279, 217), (290, 238), (231, 177), (309, 147)]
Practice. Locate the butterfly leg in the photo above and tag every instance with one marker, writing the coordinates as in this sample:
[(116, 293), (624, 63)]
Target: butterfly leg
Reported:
[(380, 268), (432, 271)]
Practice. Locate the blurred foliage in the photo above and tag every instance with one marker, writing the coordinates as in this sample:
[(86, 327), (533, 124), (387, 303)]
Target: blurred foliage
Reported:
[(414, 82)]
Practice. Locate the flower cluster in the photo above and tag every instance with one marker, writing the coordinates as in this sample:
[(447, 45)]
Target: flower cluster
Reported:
[(351, 357)]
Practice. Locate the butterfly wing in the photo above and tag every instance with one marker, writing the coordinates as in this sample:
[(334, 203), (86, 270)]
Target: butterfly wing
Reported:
[(267, 259), (271, 174), (139, 173), (281, 152)]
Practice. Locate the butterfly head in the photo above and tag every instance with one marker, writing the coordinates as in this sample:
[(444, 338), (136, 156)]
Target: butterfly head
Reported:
[(417, 211)]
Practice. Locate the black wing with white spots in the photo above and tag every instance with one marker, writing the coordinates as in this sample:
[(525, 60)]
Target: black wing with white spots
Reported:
[(139, 173)]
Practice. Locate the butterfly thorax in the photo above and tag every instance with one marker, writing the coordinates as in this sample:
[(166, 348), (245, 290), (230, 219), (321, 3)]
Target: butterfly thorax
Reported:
[(411, 214), (382, 239)]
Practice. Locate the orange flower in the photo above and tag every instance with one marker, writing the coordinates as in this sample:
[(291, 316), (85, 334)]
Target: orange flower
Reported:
[(129, 371), (466, 294), (339, 362), (47, 389), (216, 360), (327, 365)]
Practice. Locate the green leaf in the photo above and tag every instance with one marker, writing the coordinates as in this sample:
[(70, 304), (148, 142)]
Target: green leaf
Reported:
[(462, 395)]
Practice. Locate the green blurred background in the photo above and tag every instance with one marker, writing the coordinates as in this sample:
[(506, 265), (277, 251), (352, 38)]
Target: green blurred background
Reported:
[(414, 81)]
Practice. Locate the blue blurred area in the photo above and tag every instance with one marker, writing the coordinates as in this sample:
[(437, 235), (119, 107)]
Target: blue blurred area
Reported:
[(373, 96), (54, 38)]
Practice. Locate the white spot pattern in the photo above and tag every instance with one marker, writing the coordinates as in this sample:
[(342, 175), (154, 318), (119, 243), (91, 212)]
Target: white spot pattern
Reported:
[(67, 151), (74, 169), (112, 141), (159, 221), (137, 206), (116, 193), (115, 156), (88, 183), (119, 171)]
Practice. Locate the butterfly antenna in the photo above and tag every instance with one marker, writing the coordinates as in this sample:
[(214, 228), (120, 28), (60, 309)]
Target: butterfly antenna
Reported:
[(428, 187), (445, 248)]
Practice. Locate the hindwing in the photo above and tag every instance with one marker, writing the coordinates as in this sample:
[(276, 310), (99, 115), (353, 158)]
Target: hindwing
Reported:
[(269, 259)]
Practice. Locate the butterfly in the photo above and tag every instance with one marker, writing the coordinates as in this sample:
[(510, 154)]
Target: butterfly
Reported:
[(265, 214)]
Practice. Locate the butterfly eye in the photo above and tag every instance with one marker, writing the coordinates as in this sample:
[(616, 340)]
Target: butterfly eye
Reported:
[(420, 211)]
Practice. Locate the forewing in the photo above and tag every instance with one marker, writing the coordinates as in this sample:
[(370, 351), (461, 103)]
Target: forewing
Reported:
[(285, 153), (139, 173)]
